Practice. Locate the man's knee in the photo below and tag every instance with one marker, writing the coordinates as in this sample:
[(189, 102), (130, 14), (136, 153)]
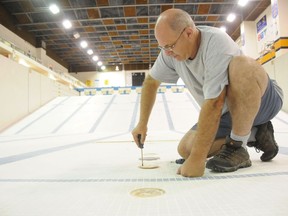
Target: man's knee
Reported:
[(244, 71), (185, 145), (182, 150)]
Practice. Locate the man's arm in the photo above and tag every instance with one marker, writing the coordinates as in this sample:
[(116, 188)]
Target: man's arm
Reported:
[(207, 127), (148, 96)]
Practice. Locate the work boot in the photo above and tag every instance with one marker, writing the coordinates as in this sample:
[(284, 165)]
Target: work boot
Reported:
[(231, 157), (265, 142)]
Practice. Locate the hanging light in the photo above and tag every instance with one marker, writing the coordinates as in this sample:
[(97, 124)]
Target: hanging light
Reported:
[(95, 58), (67, 24), (76, 35), (223, 28), (243, 3), (231, 17), (54, 9), (83, 44), (90, 51)]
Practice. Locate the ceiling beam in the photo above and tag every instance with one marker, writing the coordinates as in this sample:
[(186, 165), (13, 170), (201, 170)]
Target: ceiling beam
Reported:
[(231, 2)]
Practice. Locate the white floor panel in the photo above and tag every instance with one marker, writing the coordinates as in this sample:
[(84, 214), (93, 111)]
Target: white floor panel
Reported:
[(84, 163)]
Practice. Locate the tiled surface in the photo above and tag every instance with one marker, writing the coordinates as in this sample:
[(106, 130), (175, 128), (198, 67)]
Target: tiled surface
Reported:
[(75, 156)]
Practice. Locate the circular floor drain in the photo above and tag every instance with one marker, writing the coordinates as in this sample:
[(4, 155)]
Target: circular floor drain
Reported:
[(150, 158), (147, 192), (148, 166)]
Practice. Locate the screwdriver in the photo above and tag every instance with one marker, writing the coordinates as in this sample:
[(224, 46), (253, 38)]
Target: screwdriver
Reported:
[(141, 146)]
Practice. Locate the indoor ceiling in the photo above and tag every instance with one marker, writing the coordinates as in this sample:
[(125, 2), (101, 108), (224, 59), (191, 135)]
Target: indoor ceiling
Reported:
[(120, 32)]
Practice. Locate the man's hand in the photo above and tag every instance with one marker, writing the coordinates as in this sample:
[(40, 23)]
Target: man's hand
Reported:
[(148, 96), (192, 168), (142, 130)]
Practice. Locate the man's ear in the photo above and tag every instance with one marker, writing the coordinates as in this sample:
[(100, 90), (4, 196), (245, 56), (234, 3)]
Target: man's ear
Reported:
[(189, 31)]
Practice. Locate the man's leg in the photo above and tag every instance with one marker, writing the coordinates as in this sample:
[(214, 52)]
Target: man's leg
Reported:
[(185, 145), (247, 84)]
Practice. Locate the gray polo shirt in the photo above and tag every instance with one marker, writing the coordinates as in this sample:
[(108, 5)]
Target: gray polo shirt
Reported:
[(207, 74)]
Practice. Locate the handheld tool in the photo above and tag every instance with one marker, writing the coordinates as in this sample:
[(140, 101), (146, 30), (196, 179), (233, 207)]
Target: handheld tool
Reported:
[(141, 146)]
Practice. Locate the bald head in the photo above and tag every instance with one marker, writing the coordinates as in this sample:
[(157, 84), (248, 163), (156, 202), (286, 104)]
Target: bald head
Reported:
[(177, 34), (175, 19)]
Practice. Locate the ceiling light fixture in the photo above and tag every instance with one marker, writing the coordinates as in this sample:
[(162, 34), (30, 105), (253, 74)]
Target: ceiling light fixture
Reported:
[(231, 17), (90, 51), (99, 63), (242, 3), (117, 68), (76, 35), (54, 9), (67, 24), (103, 67), (83, 44), (95, 58), (223, 28)]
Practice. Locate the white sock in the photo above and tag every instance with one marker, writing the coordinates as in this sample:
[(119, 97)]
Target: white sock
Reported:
[(243, 139), (252, 135)]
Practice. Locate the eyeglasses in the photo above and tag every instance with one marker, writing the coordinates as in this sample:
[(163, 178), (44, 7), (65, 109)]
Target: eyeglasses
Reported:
[(171, 46)]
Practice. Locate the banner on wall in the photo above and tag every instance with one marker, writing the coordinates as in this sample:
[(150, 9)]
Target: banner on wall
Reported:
[(274, 27), (88, 83), (261, 35), (261, 24), (274, 4)]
